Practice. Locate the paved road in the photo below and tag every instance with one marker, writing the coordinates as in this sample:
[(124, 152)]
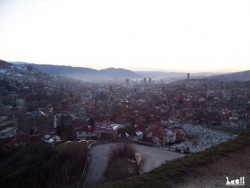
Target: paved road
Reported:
[(154, 157)]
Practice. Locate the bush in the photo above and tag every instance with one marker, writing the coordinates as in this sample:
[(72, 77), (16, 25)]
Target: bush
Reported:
[(122, 150), (122, 162)]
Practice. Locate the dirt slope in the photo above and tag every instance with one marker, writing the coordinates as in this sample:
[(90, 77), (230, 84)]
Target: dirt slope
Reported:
[(232, 165)]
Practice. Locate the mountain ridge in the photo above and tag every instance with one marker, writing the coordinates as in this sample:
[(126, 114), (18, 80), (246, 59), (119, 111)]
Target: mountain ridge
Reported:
[(94, 75), (235, 76), (81, 72)]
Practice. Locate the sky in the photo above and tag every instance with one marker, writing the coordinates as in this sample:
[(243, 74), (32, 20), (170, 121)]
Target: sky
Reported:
[(158, 35)]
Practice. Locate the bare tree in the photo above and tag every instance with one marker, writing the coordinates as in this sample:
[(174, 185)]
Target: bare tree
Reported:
[(122, 162)]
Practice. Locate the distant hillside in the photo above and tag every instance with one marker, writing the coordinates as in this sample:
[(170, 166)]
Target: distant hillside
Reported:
[(120, 73), (4, 65), (237, 76), (63, 70), (82, 73), (159, 74), (14, 72), (109, 74), (172, 76), (26, 78)]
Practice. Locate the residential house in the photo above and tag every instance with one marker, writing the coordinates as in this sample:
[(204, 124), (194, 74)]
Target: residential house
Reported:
[(106, 131), (85, 132)]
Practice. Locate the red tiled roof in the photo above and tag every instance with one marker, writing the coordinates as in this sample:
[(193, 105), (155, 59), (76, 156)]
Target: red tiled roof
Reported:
[(157, 132), (24, 137)]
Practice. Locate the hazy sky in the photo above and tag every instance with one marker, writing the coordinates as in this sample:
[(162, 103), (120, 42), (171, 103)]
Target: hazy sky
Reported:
[(176, 35)]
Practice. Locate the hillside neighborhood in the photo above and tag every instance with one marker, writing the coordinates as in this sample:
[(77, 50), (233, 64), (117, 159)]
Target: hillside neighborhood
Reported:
[(57, 109), (179, 116)]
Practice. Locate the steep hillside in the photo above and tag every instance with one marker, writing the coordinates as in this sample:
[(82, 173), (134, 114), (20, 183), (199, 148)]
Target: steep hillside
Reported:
[(4, 65), (14, 72)]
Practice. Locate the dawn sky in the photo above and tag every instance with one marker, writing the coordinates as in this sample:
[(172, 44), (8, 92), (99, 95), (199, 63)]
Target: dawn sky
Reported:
[(175, 35)]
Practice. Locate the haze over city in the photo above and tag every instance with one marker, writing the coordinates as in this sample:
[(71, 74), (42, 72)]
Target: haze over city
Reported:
[(187, 36)]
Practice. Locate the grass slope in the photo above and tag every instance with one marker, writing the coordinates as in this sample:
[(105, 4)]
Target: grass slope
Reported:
[(179, 167)]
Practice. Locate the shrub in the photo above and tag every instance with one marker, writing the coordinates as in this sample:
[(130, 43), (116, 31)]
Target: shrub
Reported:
[(121, 162)]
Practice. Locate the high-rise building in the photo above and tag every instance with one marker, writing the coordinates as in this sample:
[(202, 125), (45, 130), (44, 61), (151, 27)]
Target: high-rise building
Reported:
[(127, 82), (150, 80), (188, 76)]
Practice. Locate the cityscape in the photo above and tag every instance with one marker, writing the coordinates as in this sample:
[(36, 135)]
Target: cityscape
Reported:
[(170, 120), (124, 94)]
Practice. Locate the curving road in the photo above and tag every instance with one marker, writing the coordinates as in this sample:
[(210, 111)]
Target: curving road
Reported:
[(154, 157)]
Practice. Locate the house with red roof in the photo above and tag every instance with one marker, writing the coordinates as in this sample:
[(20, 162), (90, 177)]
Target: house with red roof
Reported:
[(106, 130), (165, 136), (85, 132)]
